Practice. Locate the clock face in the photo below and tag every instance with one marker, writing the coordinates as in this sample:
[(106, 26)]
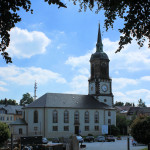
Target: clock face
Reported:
[(104, 88)]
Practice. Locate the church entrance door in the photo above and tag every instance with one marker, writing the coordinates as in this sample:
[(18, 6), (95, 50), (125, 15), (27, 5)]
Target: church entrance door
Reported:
[(76, 129)]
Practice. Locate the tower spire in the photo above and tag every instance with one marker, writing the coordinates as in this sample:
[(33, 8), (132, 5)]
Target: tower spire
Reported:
[(99, 45)]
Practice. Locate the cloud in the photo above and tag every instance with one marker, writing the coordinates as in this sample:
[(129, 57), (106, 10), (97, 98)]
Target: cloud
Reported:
[(119, 83), (79, 61), (27, 75), (133, 96), (25, 44), (2, 89), (78, 85), (145, 78)]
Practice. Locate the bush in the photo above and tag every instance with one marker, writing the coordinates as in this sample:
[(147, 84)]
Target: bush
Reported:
[(4, 133), (140, 129)]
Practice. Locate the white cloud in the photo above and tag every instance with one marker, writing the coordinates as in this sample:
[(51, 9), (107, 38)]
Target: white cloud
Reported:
[(25, 44), (145, 78), (133, 96), (2, 89), (79, 84), (80, 61), (2, 83), (119, 83), (27, 75)]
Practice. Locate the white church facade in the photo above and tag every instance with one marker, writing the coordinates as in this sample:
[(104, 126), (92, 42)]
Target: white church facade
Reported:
[(62, 115)]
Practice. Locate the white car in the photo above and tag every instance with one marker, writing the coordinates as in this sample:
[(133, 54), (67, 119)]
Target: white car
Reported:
[(44, 140), (80, 139)]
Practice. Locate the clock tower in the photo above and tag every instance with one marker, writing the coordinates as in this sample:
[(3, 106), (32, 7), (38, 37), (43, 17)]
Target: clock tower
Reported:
[(100, 84)]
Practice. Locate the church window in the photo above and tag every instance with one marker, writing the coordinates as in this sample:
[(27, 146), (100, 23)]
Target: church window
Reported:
[(96, 117), (86, 117), (55, 128), (20, 130), (55, 116), (76, 117), (86, 128), (66, 116), (96, 128), (66, 128), (109, 121), (109, 113), (35, 116)]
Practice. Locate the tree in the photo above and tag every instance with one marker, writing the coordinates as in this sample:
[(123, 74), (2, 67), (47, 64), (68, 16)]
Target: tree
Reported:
[(8, 102), (140, 129), (141, 103), (135, 14), (128, 104), (26, 99), (121, 123), (4, 133), (113, 130), (119, 104)]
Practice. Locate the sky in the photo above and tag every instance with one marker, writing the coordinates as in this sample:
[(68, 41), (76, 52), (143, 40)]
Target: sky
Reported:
[(53, 46)]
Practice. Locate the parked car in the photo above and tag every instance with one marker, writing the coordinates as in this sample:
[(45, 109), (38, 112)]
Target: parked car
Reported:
[(55, 140), (110, 138), (89, 139), (44, 140), (135, 143), (80, 139), (100, 139)]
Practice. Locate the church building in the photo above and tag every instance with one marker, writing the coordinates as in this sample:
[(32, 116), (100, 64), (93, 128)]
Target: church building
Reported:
[(62, 115)]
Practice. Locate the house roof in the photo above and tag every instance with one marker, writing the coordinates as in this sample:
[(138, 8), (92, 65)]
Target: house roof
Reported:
[(57, 100), (19, 122), (122, 108), (11, 109), (144, 110), (133, 110)]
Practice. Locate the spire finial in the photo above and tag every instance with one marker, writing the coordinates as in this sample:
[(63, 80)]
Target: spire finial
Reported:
[(99, 45)]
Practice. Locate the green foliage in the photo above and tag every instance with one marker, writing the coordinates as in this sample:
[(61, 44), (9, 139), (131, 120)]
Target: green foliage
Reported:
[(141, 103), (119, 104), (128, 104), (140, 129), (134, 13), (4, 133), (122, 123), (26, 99), (8, 102), (113, 130)]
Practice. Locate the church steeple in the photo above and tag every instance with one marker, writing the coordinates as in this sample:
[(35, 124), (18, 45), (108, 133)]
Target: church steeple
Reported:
[(99, 45)]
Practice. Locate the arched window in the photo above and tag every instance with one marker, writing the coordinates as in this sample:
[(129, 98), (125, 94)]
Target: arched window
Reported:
[(66, 116), (96, 117), (55, 116), (35, 116), (76, 117), (86, 117)]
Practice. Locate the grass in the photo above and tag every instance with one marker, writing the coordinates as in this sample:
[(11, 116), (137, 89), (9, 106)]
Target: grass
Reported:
[(144, 149)]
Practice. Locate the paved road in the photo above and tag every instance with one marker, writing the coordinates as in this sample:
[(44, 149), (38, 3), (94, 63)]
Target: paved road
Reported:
[(117, 145)]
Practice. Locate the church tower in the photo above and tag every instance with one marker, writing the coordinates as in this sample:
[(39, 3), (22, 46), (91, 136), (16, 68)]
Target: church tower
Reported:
[(100, 84)]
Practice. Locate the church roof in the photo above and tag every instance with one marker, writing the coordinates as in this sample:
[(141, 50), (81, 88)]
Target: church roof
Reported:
[(57, 100)]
